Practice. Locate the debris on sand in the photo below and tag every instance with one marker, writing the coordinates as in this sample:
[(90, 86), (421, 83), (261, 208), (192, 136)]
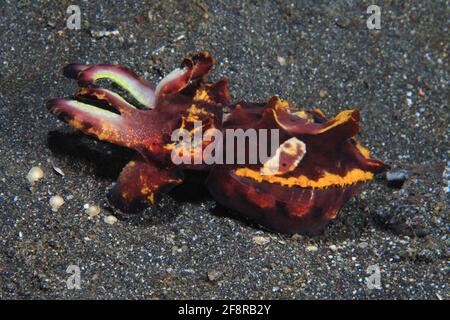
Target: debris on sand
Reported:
[(104, 33), (261, 240)]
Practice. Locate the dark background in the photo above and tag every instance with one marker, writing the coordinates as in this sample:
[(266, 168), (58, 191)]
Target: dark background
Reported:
[(332, 61)]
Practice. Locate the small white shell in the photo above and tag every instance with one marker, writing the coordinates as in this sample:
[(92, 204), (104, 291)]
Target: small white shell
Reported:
[(34, 175), (58, 171), (110, 219), (56, 202), (92, 210)]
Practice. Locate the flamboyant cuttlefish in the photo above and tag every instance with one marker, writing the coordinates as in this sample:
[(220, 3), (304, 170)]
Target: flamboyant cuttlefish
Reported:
[(317, 166)]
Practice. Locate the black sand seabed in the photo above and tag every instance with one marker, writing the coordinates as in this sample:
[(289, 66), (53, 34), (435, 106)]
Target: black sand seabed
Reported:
[(397, 76)]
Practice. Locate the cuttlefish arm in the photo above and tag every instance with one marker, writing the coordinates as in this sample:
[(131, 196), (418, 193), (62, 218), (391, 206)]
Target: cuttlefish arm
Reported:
[(140, 89), (181, 99), (141, 183), (128, 126)]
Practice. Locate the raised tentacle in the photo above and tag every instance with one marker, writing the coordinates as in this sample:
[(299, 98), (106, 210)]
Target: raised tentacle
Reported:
[(202, 64), (141, 90), (100, 123), (174, 82), (111, 98)]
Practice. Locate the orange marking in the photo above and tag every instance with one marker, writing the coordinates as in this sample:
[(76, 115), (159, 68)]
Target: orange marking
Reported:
[(327, 179)]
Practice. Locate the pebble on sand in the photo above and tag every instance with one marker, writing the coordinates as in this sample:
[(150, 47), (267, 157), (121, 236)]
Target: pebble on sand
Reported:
[(362, 245), (397, 178), (110, 219), (104, 33), (286, 270), (34, 175), (333, 247), (312, 248), (281, 61), (214, 275), (56, 202)]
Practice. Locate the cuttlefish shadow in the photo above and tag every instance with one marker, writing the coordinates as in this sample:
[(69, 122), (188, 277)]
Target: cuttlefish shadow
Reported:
[(107, 159)]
